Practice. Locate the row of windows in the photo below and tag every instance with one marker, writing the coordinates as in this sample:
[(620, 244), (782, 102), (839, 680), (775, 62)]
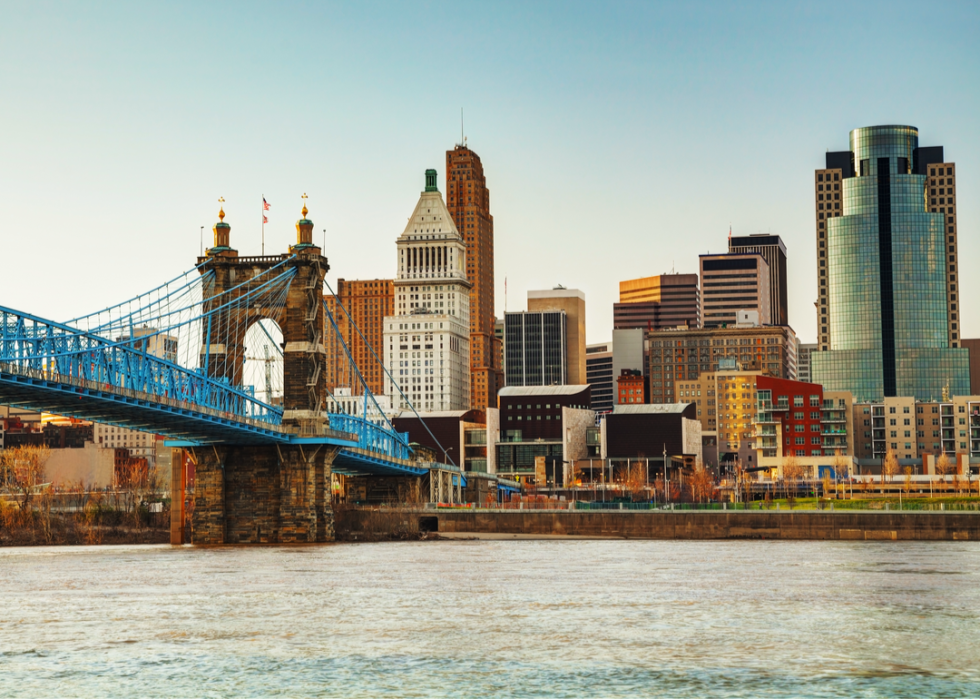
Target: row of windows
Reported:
[(717, 343)]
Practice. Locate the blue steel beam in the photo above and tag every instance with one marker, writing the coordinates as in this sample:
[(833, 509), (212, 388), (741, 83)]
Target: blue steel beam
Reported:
[(34, 347)]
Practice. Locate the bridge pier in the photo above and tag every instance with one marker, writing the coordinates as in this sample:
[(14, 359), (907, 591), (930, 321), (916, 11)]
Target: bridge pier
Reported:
[(263, 494)]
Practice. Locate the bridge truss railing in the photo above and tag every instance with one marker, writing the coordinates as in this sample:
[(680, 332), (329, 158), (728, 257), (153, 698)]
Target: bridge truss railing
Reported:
[(373, 437), (46, 350)]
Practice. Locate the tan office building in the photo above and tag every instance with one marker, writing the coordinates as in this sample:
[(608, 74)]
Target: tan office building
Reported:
[(733, 282), (661, 301)]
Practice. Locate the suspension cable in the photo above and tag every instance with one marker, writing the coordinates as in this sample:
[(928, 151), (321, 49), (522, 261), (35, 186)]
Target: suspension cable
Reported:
[(383, 368)]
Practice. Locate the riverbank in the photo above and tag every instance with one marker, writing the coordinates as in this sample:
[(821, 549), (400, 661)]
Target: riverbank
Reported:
[(360, 524)]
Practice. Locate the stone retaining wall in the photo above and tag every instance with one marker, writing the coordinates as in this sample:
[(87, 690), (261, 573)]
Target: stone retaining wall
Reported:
[(871, 526)]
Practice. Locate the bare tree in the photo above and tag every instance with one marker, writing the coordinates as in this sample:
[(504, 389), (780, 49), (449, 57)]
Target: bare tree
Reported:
[(24, 469), (840, 464), (889, 467), (791, 474), (636, 480), (701, 482), (943, 466)]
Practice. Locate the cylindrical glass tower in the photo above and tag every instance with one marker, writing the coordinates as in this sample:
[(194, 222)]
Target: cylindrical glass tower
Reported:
[(886, 279)]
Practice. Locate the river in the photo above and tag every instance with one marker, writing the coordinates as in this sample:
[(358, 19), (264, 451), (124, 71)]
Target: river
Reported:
[(549, 618)]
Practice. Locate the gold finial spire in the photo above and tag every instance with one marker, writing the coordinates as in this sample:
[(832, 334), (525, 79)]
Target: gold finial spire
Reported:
[(305, 211), (221, 212)]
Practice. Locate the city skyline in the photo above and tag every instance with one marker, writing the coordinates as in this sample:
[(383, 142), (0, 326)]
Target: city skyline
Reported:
[(653, 137)]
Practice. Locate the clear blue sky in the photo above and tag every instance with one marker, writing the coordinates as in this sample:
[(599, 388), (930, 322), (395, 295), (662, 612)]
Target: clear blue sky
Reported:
[(619, 139)]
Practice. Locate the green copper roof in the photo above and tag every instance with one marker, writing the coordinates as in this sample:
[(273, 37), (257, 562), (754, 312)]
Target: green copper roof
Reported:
[(430, 181)]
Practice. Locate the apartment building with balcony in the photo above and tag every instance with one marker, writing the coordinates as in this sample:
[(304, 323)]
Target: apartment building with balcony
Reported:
[(919, 431), (800, 420)]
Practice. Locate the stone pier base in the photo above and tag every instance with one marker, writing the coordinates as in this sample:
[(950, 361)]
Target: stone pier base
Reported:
[(262, 495)]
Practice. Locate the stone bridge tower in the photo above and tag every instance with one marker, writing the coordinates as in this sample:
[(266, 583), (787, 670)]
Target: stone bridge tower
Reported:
[(301, 320), (267, 494)]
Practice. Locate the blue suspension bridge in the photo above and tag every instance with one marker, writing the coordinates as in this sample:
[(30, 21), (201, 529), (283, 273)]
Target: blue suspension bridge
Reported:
[(173, 361)]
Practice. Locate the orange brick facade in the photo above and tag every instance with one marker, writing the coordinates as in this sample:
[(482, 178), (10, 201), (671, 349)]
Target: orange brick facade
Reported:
[(368, 302), (631, 387), (468, 201)]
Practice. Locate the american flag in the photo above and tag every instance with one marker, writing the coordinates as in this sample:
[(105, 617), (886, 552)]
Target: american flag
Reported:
[(265, 219), (265, 204)]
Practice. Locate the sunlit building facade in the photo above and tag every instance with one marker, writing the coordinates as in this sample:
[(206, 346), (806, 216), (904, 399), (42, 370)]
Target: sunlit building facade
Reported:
[(887, 274)]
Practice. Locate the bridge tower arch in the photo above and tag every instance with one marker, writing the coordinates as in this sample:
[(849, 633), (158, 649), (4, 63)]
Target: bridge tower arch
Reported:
[(267, 494), (300, 319)]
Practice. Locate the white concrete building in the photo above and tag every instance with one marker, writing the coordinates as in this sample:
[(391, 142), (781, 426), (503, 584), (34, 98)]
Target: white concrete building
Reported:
[(427, 342), (343, 400), (112, 437)]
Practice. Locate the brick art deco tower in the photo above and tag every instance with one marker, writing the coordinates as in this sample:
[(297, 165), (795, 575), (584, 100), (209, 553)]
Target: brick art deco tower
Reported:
[(468, 201)]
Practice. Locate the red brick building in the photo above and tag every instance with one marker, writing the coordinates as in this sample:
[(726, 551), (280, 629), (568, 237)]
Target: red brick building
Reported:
[(631, 387), (792, 408), (368, 302)]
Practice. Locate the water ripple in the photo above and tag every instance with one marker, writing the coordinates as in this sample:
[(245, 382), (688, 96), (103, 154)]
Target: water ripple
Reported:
[(503, 619)]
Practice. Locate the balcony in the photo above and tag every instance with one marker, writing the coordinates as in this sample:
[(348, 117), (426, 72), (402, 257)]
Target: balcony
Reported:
[(829, 417)]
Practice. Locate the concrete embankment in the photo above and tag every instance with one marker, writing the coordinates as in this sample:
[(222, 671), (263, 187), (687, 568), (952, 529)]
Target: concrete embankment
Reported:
[(871, 526)]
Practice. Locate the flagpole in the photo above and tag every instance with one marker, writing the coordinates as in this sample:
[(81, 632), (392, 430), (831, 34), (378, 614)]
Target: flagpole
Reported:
[(263, 225)]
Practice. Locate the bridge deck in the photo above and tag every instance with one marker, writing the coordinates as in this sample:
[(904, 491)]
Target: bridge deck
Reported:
[(67, 395)]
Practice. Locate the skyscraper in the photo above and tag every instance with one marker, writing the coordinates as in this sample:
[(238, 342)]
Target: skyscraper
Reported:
[(886, 264), (661, 301), (468, 202), (598, 370), (772, 248), (572, 302), (426, 341), (733, 282), (536, 348), (368, 302)]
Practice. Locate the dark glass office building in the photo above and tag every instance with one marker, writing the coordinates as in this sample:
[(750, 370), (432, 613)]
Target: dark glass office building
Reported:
[(536, 348), (883, 269)]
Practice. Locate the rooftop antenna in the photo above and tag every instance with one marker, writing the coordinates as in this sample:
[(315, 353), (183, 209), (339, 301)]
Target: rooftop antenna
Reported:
[(462, 131)]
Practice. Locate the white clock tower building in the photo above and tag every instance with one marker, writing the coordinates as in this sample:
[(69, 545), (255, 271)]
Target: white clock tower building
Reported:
[(427, 341)]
